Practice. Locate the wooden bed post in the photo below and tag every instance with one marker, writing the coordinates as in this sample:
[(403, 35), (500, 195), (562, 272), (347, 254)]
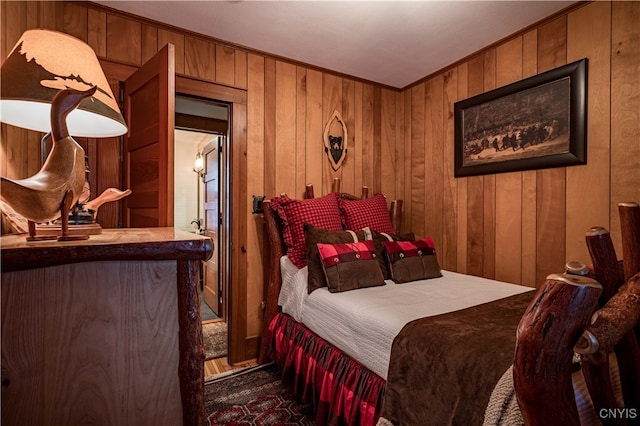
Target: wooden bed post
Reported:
[(544, 350), (335, 186), (630, 224), (395, 212), (611, 275), (308, 192), (275, 251), (365, 192), (605, 262)]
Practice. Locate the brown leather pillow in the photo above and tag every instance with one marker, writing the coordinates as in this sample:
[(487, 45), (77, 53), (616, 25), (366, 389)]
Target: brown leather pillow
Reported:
[(379, 239), (314, 235), (350, 266), (412, 260)]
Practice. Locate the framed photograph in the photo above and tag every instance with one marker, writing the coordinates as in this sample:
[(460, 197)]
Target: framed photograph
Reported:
[(536, 123)]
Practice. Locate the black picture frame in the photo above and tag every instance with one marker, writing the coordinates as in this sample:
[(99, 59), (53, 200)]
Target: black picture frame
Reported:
[(536, 123)]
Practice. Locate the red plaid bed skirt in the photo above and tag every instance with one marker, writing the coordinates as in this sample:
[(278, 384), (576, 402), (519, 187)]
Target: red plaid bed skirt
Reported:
[(341, 389)]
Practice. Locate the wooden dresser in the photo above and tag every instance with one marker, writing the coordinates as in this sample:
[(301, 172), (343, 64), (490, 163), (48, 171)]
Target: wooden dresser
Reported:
[(103, 331)]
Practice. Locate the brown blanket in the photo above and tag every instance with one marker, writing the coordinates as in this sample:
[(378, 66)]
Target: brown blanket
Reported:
[(443, 368)]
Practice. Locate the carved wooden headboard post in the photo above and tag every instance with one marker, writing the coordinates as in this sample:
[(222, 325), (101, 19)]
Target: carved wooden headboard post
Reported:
[(542, 370), (542, 363), (395, 212), (274, 251), (308, 191), (630, 223), (608, 272)]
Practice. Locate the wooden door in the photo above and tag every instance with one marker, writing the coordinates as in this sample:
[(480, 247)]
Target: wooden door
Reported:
[(148, 147), (213, 292)]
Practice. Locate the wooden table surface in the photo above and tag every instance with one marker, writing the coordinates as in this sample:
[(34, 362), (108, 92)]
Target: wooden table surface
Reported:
[(112, 244)]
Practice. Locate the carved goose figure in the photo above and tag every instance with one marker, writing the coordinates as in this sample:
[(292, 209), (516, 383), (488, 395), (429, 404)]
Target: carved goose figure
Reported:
[(52, 191)]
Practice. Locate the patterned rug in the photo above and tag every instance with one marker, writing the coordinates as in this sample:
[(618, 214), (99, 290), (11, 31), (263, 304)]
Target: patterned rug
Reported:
[(214, 336), (255, 396)]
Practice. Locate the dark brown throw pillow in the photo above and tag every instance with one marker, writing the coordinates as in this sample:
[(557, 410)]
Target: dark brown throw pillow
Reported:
[(349, 266), (412, 260), (314, 235), (379, 239)]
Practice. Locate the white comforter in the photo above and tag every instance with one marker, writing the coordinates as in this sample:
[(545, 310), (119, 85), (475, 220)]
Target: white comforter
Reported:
[(364, 322)]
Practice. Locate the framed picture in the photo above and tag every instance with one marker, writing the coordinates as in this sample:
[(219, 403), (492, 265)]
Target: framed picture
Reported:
[(535, 123)]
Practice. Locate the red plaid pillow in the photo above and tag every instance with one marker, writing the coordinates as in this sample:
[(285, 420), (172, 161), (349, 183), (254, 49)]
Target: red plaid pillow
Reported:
[(412, 260), (349, 266), (322, 212), (370, 212)]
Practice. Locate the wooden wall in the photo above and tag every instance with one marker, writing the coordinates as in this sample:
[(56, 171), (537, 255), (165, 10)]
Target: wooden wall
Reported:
[(521, 226), (516, 227)]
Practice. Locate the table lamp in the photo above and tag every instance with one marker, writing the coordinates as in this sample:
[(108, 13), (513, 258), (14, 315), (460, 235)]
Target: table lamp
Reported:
[(52, 82)]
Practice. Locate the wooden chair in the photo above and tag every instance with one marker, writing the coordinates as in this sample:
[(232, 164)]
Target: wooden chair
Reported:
[(593, 316)]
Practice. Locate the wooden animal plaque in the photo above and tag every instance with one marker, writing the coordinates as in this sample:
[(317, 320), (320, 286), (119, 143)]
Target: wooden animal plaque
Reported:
[(335, 140)]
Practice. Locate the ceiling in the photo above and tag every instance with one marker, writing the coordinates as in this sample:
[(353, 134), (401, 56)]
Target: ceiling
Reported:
[(394, 43)]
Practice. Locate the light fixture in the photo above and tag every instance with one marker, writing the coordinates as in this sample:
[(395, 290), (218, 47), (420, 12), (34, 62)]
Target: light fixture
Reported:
[(43, 66), (198, 167), (198, 164)]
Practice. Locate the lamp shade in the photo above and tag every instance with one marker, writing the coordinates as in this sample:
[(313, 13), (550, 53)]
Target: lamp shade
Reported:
[(41, 64)]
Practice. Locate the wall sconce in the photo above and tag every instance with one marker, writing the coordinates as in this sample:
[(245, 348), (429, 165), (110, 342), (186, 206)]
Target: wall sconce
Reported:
[(198, 165), (52, 82)]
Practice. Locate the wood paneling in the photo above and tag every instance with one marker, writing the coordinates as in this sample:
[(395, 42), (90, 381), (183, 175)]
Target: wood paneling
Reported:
[(489, 183), (255, 186), (418, 179), (331, 101), (475, 184), (518, 226), (300, 139), (124, 42), (97, 32), (75, 21), (529, 181), (507, 225), (462, 187), (270, 128), (314, 128), (92, 363), (348, 115), (589, 36), (551, 183), (171, 37), (286, 128), (200, 56), (450, 211), (225, 65), (625, 109)]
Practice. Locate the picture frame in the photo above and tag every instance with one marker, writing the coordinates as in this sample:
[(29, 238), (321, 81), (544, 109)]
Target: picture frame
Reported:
[(535, 123)]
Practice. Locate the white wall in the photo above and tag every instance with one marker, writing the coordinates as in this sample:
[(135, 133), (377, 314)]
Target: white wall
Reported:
[(185, 179)]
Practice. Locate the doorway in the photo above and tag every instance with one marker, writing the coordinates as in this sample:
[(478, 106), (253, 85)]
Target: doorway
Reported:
[(202, 191), (149, 97)]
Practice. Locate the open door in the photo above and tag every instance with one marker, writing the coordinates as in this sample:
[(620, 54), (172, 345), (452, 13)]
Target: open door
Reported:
[(148, 147), (213, 291)]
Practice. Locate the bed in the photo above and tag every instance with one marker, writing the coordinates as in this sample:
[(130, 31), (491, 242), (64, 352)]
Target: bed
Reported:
[(436, 360)]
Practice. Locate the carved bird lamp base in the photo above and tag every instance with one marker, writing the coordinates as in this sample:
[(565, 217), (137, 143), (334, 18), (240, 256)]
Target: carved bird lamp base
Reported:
[(56, 188), (82, 216)]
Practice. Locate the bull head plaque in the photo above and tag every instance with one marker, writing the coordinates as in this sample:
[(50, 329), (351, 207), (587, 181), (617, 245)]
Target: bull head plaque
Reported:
[(335, 140)]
